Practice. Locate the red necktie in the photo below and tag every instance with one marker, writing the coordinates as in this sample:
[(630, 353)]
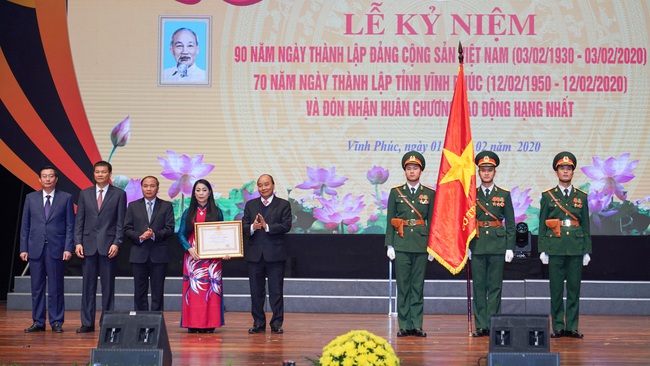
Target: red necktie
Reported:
[(99, 199)]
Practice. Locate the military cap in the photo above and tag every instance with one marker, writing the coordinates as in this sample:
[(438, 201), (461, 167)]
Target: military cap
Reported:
[(564, 158), (486, 158), (413, 157)]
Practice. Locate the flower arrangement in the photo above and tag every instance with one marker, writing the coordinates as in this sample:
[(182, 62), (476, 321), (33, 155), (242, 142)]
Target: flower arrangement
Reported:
[(358, 347)]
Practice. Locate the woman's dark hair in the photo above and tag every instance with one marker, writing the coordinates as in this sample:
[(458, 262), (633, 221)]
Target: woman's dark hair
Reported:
[(212, 213)]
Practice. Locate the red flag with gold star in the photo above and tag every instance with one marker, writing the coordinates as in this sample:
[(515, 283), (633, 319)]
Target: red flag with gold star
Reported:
[(453, 224)]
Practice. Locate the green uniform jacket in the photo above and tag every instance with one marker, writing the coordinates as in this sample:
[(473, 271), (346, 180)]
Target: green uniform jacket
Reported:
[(415, 238), (574, 240), (494, 240)]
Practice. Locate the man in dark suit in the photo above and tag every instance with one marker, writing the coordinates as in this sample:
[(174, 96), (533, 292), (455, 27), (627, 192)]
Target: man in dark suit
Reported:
[(98, 232), (46, 240), (149, 225), (265, 222)]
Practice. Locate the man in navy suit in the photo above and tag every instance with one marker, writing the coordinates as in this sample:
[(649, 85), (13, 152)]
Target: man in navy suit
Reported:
[(149, 225), (98, 232), (46, 236), (265, 222)]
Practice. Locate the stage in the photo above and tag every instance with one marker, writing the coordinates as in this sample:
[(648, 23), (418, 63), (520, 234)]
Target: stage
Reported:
[(609, 340)]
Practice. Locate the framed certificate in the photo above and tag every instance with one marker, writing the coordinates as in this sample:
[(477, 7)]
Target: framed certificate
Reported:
[(219, 239)]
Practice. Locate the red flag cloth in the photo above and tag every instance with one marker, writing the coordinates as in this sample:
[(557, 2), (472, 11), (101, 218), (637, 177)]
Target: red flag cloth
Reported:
[(453, 223)]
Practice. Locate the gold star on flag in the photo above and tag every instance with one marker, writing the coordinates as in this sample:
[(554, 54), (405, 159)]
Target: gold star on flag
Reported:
[(462, 167)]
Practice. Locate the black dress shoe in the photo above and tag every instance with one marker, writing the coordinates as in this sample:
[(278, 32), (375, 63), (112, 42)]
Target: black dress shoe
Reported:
[(57, 328), (277, 329), (573, 334), (557, 334), (85, 329), (257, 329), (403, 333), (35, 328), (418, 332), (480, 332), (193, 330)]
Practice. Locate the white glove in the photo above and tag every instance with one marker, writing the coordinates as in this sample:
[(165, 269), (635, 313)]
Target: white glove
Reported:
[(469, 254), (390, 252), (585, 259), (430, 258), (509, 255), (543, 257)]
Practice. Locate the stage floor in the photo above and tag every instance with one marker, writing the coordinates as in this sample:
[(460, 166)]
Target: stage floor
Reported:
[(609, 340)]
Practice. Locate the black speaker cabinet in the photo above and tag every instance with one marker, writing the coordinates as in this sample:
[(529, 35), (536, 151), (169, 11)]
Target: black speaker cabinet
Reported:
[(519, 333), (132, 338), (523, 359)]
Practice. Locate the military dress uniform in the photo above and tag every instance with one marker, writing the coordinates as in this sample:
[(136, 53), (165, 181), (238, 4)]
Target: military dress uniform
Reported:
[(489, 247), (566, 251), (488, 251), (411, 249)]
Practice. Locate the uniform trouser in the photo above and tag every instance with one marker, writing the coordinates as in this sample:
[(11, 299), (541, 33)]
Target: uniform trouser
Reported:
[(569, 269), (143, 275), (410, 269), (487, 279), (39, 269), (104, 267), (258, 272)]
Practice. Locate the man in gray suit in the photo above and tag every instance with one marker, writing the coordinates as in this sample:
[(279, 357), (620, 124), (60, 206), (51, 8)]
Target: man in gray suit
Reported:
[(46, 241), (149, 226), (98, 232)]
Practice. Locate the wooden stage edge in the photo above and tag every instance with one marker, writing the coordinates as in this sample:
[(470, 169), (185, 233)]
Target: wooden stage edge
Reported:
[(609, 340)]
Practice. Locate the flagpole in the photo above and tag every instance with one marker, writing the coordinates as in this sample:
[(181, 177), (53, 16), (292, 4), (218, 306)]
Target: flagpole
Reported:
[(469, 269)]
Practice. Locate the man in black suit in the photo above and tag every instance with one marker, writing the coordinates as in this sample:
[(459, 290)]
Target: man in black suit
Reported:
[(149, 225), (46, 240), (98, 232), (265, 222)]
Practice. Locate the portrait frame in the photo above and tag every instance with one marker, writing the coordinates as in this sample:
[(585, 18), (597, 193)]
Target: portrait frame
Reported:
[(201, 26), (219, 239)]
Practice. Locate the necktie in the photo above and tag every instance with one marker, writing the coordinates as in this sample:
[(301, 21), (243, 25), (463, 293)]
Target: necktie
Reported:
[(149, 210), (412, 190), (566, 192), (48, 206), (487, 192), (99, 199), (265, 202)]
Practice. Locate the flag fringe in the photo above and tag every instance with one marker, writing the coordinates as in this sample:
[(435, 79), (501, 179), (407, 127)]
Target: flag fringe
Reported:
[(443, 262)]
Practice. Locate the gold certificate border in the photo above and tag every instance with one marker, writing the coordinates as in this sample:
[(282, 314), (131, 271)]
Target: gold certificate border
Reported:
[(207, 251)]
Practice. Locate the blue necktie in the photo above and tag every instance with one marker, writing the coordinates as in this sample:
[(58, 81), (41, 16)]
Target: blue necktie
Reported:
[(48, 206)]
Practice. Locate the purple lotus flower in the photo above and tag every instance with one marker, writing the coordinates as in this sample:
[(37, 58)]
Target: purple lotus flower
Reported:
[(382, 200), (373, 218), (120, 135), (333, 213), (121, 132), (322, 181), (352, 229), (609, 174), (520, 202), (598, 204), (377, 175), (133, 190), (247, 196), (184, 171)]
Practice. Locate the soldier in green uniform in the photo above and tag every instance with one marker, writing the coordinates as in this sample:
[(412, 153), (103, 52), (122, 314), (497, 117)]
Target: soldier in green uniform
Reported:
[(494, 242), (410, 206), (565, 244)]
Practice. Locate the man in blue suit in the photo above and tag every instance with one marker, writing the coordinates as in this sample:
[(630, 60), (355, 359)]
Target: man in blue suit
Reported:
[(150, 227), (46, 241), (98, 232)]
